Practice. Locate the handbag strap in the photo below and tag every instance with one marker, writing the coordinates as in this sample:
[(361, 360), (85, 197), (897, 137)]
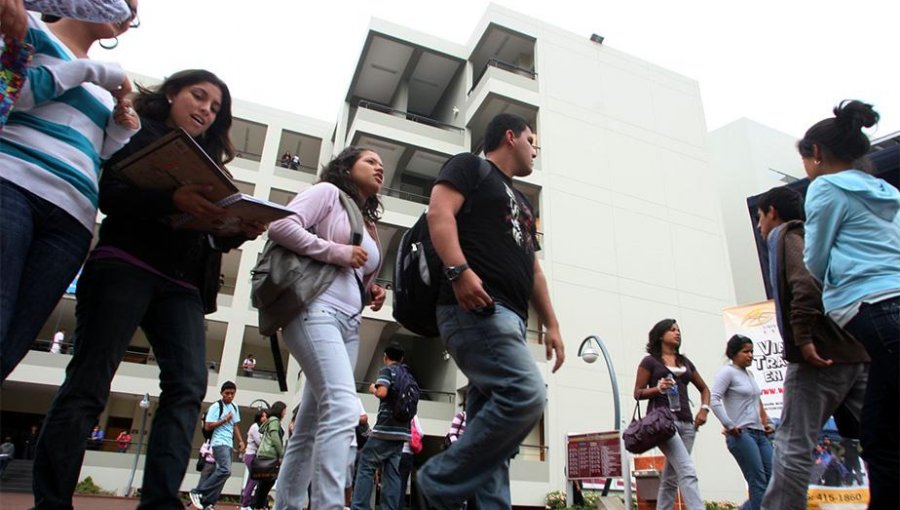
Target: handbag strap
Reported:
[(637, 410)]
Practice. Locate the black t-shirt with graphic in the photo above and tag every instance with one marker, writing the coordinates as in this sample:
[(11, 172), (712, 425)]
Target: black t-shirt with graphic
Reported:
[(497, 233)]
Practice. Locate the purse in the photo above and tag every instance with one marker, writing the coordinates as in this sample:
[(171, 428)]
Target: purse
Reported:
[(657, 427), (264, 469), (284, 282)]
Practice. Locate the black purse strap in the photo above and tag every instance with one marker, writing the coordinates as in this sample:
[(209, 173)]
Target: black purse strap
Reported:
[(637, 410)]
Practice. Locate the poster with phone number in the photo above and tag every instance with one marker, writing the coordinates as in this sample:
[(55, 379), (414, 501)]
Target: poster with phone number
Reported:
[(838, 479)]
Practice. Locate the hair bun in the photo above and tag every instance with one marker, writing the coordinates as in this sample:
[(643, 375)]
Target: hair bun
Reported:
[(855, 115)]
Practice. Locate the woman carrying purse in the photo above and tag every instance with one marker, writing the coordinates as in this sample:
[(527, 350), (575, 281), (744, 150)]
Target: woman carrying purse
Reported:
[(270, 452)]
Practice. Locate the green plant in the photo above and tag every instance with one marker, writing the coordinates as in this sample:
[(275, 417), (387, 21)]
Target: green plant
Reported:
[(87, 486), (721, 505), (556, 500)]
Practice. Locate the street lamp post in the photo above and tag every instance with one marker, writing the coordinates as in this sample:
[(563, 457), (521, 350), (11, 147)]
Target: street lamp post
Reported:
[(145, 405), (587, 352)]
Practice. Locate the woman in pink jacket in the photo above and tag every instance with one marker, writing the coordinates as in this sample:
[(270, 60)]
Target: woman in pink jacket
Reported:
[(325, 336)]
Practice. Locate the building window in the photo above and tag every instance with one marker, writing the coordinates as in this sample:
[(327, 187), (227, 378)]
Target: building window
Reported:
[(248, 138)]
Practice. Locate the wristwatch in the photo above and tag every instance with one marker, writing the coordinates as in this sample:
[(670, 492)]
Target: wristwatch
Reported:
[(453, 272)]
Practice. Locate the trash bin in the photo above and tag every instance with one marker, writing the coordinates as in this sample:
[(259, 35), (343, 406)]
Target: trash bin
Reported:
[(647, 481)]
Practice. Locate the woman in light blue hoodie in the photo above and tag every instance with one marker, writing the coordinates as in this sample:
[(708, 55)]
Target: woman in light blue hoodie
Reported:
[(853, 248)]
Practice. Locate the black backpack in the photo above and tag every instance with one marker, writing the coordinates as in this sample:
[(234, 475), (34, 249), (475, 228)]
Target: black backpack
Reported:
[(405, 392), (418, 272), (207, 434)]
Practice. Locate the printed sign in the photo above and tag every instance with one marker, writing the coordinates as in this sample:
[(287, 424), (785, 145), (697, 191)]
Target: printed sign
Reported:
[(758, 322), (595, 455), (838, 480)]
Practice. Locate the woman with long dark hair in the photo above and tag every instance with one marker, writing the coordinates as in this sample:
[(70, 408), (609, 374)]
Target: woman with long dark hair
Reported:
[(737, 404), (662, 368), (324, 338), (853, 248), (145, 273)]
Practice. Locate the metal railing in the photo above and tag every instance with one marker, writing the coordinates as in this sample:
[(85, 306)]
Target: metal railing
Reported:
[(506, 66), (131, 356), (413, 117), (430, 395), (404, 195)]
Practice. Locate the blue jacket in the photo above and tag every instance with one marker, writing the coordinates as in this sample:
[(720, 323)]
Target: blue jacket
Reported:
[(852, 237)]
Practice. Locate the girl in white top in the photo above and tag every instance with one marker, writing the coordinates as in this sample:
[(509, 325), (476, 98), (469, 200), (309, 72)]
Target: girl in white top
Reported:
[(253, 439)]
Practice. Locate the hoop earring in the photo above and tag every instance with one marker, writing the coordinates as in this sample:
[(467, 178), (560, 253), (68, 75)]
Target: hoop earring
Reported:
[(818, 162), (109, 46)]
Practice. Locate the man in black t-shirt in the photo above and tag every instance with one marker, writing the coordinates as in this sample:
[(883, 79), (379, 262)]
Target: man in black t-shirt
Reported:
[(484, 231)]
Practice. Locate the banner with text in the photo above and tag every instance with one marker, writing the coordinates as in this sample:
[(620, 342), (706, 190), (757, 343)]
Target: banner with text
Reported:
[(757, 322), (838, 480)]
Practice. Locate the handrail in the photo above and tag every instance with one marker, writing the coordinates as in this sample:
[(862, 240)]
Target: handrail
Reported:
[(506, 66), (404, 195), (414, 117), (363, 387)]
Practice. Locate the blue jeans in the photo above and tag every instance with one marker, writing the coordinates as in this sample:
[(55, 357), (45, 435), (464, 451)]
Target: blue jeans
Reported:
[(41, 249), (384, 454), (505, 401), (211, 488), (877, 327), (753, 453), (325, 342), (115, 298)]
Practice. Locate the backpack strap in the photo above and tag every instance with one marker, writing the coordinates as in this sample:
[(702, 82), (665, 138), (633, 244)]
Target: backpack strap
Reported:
[(484, 170)]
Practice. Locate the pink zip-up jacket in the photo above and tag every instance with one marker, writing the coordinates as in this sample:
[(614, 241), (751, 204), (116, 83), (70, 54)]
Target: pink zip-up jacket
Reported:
[(320, 207)]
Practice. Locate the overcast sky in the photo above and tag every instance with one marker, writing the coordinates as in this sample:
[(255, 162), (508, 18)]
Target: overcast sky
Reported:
[(783, 63)]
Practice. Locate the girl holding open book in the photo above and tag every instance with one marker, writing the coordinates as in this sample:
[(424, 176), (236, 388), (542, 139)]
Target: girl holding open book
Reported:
[(145, 273)]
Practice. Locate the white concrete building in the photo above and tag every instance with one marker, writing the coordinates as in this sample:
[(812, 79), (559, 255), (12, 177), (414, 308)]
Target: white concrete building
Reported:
[(628, 205)]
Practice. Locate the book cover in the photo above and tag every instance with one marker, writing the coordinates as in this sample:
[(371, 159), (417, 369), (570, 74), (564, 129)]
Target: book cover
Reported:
[(176, 160), (173, 161)]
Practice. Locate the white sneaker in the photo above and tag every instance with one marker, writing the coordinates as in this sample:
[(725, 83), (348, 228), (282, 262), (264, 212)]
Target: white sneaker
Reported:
[(195, 500)]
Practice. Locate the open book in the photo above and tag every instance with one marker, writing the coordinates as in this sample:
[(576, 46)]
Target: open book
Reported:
[(176, 160)]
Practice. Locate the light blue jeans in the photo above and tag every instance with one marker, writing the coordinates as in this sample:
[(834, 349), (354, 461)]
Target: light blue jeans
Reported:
[(506, 399), (753, 452), (679, 472), (325, 342)]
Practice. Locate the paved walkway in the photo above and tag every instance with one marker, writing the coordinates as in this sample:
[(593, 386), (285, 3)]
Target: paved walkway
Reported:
[(23, 501)]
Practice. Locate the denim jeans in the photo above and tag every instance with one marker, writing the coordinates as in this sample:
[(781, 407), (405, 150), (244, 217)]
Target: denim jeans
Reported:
[(811, 395), (114, 298), (753, 452), (325, 342), (506, 399), (41, 249), (384, 454), (877, 327), (679, 472), (211, 488)]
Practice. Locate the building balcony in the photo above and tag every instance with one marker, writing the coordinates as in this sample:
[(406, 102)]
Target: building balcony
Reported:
[(381, 121)]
